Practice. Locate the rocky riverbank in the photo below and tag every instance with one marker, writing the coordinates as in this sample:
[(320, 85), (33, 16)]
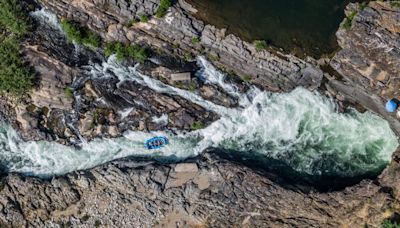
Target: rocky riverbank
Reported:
[(208, 190)]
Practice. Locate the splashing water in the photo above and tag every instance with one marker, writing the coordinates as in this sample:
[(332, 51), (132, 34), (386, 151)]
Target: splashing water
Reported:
[(301, 128)]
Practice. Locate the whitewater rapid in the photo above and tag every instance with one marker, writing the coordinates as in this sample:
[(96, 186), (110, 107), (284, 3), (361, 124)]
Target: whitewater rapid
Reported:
[(302, 129)]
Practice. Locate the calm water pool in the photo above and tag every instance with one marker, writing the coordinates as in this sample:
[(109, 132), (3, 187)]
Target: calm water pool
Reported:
[(300, 26)]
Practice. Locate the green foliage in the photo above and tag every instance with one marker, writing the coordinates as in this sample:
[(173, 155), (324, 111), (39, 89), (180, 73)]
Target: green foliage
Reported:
[(126, 51), (188, 56), (163, 8), (97, 223), (16, 77), (389, 224), (69, 92), (195, 40), (395, 4), (192, 86), (349, 20), (79, 34), (260, 45), (144, 18), (247, 78), (131, 22), (197, 125), (213, 57), (12, 17)]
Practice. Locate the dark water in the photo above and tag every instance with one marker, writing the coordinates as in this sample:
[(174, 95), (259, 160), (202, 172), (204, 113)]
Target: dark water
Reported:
[(299, 26)]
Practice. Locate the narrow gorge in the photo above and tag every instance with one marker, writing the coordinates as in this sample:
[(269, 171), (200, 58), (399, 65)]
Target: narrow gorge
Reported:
[(259, 138)]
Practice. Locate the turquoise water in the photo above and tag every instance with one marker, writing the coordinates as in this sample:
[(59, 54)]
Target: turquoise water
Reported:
[(300, 131), (296, 25)]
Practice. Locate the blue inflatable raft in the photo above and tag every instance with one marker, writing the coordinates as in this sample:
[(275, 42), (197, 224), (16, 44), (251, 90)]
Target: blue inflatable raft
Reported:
[(156, 142)]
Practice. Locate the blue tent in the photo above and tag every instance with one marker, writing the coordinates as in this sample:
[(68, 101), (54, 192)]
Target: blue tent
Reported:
[(391, 105)]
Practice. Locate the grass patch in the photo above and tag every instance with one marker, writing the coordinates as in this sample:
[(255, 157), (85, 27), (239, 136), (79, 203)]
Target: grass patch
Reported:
[(395, 4), (192, 86), (197, 125), (195, 40), (75, 32), (144, 18), (131, 22), (188, 56), (126, 51), (163, 8), (69, 92), (260, 45), (349, 20), (389, 224), (247, 78)]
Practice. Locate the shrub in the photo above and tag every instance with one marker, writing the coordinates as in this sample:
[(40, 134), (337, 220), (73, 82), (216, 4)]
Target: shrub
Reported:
[(163, 8), (195, 40), (349, 20), (197, 125), (260, 45), (131, 22), (79, 34), (126, 51), (69, 92), (247, 78), (389, 224), (13, 18), (144, 18), (16, 77)]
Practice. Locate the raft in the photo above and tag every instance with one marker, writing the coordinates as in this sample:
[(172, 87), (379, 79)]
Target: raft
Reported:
[(156, 142)]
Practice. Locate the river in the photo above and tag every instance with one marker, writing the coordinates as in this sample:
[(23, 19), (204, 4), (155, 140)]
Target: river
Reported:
[(298, 26), (301, 129)]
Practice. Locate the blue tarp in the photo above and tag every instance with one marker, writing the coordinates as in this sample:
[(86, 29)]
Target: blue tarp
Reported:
[(391, 105)]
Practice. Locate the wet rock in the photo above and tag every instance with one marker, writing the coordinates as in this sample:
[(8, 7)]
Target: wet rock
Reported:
[(217, 97)]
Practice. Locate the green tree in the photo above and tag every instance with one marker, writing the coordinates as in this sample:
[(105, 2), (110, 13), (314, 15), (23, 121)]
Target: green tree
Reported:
[(15, 77), (12, 17), (75, 32)]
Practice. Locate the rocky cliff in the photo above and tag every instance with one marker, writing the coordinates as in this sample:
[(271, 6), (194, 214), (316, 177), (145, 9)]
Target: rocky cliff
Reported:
[(179, 32), (208, 191), (370, 56)]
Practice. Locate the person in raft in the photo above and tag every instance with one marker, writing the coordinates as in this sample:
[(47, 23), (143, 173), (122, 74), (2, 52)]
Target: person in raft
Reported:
[(392, 106)]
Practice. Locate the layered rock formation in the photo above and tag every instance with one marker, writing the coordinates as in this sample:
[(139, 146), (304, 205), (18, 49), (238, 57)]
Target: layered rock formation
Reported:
[(209, 191), (179, 32), (370, 57), (69, 103)]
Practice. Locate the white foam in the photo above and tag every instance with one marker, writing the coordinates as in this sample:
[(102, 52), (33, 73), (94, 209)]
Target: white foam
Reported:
[(47, 17), (301, 128), (163, 119)]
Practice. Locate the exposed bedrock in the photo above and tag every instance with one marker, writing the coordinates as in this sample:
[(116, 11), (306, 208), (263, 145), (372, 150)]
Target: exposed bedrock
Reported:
[(179, 32), (370, 57), (206, 191), (70, 102)]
